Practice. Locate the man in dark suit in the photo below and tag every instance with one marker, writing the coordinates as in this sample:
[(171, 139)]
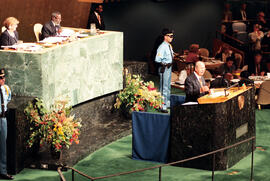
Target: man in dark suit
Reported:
[(52, 28), (257, 67), (195, 84), (96, 17), (241, 13)]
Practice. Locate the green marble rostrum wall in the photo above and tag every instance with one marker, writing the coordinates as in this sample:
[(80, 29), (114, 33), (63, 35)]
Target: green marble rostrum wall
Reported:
[(80, 70)]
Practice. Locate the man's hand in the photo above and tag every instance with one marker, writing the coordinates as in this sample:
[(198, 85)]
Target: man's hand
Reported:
[(204, 89)]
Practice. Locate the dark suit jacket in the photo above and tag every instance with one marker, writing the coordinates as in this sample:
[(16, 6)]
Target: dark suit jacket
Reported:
[(238, 15), (48, 30), (93, 19), (7, 40), (192, 88)]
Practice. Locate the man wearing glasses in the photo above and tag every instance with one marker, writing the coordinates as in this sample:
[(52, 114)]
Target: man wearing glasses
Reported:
[(52, 28), (5, 97), (164, 57)]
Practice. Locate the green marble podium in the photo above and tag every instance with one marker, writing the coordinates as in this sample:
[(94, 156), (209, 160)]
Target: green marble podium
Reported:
[(80, 70), (86, 69)]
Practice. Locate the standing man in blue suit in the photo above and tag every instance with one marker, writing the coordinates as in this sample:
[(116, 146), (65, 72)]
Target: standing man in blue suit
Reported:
[(164, 57), (5, 97)]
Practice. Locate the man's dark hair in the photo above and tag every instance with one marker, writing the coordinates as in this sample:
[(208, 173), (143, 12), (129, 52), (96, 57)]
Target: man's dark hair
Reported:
[(94, 6), (166, 31), (244, 74)]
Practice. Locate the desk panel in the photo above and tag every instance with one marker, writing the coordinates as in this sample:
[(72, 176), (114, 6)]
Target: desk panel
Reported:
[(80, 70)]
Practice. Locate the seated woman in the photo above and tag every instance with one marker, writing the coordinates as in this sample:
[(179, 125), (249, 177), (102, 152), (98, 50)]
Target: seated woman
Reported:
[(189, 69), (10, 35)]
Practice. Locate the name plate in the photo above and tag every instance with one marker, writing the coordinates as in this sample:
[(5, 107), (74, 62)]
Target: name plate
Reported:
[(241, 130)]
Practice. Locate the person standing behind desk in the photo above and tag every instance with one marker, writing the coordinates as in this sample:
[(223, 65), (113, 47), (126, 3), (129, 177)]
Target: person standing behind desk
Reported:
[(52, 28), (5, 97), (10, 35), (164, 57), (96, 17), (195, 86)]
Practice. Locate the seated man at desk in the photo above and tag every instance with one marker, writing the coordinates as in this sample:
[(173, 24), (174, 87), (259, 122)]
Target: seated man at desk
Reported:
[(52, 28), (195, 86), (228, 67), (257, 66)]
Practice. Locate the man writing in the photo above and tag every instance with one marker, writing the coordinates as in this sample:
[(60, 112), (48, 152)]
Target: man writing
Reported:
[(5, 97), (195, 84), (164, 57), (52, 28)]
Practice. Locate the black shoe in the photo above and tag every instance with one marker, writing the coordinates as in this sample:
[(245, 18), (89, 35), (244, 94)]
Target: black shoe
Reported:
[(6, 177), (163, 111)]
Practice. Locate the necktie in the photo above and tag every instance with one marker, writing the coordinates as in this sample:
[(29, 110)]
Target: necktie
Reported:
[(200, 79), (170, 48), (2, 102), (98, 17), (244, 17), (57, 27)]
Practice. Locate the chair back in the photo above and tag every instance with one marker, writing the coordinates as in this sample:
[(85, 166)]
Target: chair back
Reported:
[(37, 30), (264, 93), (238, 60), (207, 74), (204, 53), (239, 27), (3, 29), (245, 68)]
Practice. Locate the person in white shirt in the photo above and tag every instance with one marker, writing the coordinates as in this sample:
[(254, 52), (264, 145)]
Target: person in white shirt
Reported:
[(256, 38), (185, 73)]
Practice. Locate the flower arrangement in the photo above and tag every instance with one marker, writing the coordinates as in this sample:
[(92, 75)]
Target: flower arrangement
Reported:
[(138, 95), (55, 127)]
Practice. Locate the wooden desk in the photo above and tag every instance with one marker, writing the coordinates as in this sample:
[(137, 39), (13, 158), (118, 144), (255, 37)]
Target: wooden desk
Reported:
[(212, 65), (211, 99)]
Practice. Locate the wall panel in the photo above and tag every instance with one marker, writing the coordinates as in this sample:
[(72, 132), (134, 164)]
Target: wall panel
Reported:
[(29, 12)]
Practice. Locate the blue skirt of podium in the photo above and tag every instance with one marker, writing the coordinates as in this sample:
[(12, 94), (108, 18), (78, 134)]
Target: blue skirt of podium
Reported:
[(151, 134)]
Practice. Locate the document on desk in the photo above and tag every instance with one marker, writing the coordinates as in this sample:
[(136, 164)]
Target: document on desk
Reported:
[(53, 40), (190, 103), (67, 32), (217, 94)]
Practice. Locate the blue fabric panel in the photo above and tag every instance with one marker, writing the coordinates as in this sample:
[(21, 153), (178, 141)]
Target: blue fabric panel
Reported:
[(150, 136), (177, 100)]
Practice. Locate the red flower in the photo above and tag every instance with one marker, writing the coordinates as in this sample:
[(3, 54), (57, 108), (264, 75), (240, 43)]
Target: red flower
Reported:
[(151, 88)]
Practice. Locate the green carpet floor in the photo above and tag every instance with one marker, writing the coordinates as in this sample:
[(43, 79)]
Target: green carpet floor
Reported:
[(116, 157)]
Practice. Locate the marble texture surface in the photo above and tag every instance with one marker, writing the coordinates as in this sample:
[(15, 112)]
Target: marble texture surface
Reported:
[(80, 70), (202, 128)]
